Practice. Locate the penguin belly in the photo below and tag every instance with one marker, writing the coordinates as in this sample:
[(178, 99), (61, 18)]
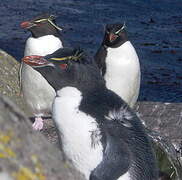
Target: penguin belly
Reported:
[(37, 92), (123, 72), (76, 129)]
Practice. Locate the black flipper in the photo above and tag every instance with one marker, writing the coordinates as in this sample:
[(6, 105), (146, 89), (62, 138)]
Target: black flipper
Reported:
[(100, 59), (115, 163), (117, 155)]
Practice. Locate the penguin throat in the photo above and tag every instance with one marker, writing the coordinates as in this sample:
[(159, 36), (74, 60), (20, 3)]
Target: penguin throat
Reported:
[(115, 43)]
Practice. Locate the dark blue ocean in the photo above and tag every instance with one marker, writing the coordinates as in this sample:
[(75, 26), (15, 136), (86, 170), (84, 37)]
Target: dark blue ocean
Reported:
[(154, 28)]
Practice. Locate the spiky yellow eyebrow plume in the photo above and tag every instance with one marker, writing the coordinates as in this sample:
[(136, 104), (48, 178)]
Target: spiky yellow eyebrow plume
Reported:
[(124, 26), (74, 57), (49, 20), (62, 59)]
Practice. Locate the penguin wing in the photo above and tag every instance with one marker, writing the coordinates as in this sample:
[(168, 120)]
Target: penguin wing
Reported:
[(115, 163), (117, 154), (100, 59)]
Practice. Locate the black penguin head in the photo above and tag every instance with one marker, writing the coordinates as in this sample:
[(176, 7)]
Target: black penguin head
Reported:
[(115, 35), (42, 25), (65, 67)]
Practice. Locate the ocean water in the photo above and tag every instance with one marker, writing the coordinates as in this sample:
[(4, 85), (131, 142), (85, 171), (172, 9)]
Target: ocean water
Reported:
[(154, 28)]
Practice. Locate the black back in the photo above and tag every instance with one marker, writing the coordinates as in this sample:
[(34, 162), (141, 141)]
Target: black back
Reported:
[(123, 137), (43, 28)]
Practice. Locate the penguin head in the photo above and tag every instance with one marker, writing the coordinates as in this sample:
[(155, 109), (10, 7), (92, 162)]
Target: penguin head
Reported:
[(65, 67), (115, 35), (42, 25)]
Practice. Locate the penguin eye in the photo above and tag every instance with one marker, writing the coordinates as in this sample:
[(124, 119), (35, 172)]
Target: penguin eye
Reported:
[(107, 32), (63, 66)]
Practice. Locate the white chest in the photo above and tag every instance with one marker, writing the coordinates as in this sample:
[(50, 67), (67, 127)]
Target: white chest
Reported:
[(123, 72), (125, 176), (40, 97), (76, 129), (42, 46)]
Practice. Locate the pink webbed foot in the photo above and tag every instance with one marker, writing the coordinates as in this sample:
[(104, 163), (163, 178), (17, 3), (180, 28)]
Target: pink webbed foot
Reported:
[(38, 124)]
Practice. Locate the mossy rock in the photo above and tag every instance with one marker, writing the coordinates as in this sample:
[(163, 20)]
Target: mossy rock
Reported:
[(9, 80)]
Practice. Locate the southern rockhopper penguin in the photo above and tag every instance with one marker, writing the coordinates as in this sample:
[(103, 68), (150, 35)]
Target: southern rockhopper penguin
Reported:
[(100, 134), (119, 63), (45, 39), (107, 122)]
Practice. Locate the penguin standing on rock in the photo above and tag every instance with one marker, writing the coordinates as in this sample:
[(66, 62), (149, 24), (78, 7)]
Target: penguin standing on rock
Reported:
[(100, 134), (119, 63), (37, 92)]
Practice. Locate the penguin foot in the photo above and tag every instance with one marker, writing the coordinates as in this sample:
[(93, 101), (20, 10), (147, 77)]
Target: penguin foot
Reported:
[(38, 124)]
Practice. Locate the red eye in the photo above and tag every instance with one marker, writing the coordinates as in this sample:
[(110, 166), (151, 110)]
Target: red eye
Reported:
[(39, 24), (63, 66)]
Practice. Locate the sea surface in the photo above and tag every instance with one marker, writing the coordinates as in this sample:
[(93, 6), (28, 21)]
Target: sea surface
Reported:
[(154, 28)]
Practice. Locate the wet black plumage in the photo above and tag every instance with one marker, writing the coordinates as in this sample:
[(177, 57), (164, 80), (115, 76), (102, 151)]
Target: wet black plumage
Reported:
[(126, 146)]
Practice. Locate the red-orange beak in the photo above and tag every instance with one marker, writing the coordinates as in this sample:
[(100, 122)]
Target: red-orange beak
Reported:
[(27, 24), (35, 60), (112, 37)]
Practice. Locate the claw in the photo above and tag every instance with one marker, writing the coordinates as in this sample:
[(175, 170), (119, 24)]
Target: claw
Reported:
[(38, 124)]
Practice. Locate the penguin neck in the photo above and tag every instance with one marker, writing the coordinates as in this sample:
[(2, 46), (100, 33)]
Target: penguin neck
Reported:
[(42, 45), (115, 45), (86, 78)]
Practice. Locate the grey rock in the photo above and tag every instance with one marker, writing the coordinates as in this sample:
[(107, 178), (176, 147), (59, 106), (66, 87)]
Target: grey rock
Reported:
[(26, 154), (164, 118), (163, 123), (9, 80)]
